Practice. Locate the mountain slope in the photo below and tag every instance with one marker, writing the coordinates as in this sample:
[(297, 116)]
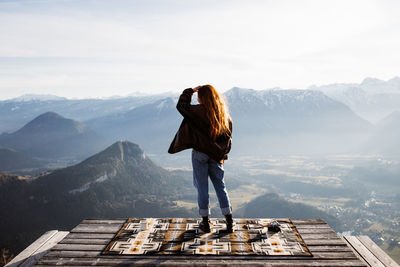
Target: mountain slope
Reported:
[(120, 181), (122, 166), (11, 160), (53, 136)]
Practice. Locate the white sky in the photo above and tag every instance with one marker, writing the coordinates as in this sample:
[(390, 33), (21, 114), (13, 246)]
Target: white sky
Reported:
[(99, 48)]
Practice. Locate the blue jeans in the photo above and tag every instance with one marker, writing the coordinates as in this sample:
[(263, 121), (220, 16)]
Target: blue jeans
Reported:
[(204, 166)]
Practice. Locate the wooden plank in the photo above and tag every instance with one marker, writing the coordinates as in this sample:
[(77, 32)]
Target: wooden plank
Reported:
[(95, 221), (333, 248), (44, 248), (315, 231), (100, 225), (72, 254), (90, 236), (329, 235), (321, 242), (311, 221), (97, 228), (26, 253), (320, 236), (91, 254), (313, 226), (85, 241), (377, 251), (80, 247), (209, 262), (364, 254)]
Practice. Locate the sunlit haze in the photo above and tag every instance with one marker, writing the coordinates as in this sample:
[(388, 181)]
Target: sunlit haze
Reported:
[(102, 48)]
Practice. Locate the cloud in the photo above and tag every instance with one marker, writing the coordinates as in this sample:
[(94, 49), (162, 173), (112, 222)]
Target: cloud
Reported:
[(167, 45)]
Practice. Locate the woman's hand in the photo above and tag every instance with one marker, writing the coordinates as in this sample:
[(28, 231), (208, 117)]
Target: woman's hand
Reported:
[(196, 89)]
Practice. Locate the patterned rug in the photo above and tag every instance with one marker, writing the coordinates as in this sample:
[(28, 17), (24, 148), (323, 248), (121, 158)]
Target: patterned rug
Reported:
[(181, 236)]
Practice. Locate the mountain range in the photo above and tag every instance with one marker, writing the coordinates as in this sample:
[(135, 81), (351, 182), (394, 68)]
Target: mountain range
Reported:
[(19, 111), (372, 99), (317, 120), (268, 121)]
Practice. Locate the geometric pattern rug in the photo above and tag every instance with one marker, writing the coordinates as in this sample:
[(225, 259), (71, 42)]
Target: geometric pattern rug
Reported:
[(181, 236)]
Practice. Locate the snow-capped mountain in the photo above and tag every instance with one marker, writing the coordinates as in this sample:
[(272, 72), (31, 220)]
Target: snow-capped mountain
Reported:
[(37, 97), (292, 110), (292, 121), (372, 99)]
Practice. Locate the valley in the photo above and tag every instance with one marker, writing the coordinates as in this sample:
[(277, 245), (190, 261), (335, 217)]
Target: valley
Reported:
[(335, 184)]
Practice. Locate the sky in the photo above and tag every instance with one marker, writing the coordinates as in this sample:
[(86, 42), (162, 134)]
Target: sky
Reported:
[(101, 48)]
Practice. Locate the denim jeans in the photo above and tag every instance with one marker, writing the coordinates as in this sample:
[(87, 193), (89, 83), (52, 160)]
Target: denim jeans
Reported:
[(204, 166)]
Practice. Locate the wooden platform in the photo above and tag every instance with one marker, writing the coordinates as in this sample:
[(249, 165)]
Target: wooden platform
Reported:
[(83, 245)]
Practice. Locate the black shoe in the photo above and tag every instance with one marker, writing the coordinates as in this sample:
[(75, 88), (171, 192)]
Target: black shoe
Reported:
[(229, 223), (205, 226)]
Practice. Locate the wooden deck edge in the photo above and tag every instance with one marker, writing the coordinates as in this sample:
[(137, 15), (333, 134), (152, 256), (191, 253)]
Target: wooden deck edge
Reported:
[(37, 249), (377, 251), (362, 252), (369, 252)]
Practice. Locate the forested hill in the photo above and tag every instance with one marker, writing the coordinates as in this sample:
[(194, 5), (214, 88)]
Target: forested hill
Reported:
[(120, 181)]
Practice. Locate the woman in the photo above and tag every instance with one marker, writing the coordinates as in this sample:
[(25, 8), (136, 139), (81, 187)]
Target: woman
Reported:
[(207, 129)]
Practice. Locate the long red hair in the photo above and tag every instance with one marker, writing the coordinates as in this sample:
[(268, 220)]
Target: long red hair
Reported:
[(217, 110)]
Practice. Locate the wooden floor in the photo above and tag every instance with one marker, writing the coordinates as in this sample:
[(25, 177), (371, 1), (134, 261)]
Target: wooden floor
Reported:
[(83, 245)]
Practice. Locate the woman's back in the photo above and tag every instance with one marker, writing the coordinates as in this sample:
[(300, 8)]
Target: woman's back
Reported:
[(207, 128), (196, 129)]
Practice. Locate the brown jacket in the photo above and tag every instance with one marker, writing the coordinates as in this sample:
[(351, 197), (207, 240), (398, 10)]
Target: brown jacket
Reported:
[(194, 131)]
